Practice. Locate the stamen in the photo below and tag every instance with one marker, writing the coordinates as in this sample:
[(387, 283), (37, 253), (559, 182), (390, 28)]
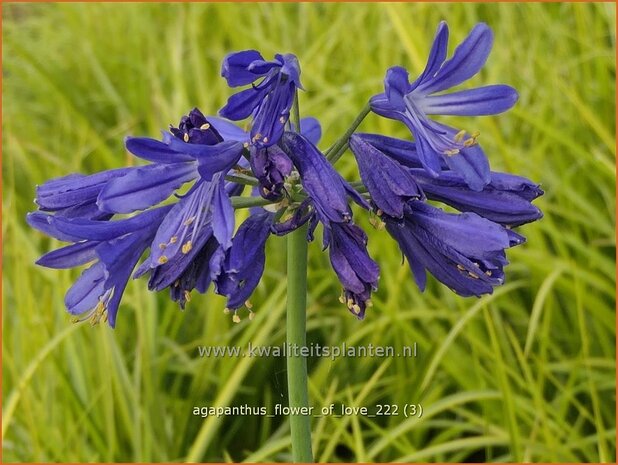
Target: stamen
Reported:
[(488, 272), (282, 120), (236, 318), (185, 137), (379, 212), (460, 135), (248, 304), (265, 139), (461, 267), (187, 296), (251, 315), (342, 298), (451, 152), (162, 246), (188, 222), (205, 126), (162, 260), (356, 308), (173, 239), (473, 276), (226, 311), (186, 247), (245, 145), (369, 303)]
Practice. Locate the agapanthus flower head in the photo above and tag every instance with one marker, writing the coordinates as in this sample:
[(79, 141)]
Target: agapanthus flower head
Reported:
[(270, 100), (413, 103)]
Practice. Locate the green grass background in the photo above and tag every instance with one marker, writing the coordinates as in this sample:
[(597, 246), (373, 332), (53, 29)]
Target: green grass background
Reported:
[(527, 374)]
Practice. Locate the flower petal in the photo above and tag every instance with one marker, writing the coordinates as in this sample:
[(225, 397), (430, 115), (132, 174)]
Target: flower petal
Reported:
[(218, 158), (69, 256), (228, 130), (240, 105), (144, 187), (468, 59), (396, 86), (437, 55), (472, 164), (310, 128), (154, 150), (488, 100), (235, 67)]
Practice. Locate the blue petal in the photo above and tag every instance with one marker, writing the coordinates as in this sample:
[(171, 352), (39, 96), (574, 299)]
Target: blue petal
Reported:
[(154, 150), (489, 100), (84, 294), (235, 67), (468, 59), (472, 164), (402, 151), (222, 215), (389, 184), (437, 55), (43, 222), (106, 230), (272, 114), (396, 86), (69, 256), (310, 128), (74, 189), (218, 158), (144, 187), (241, 105), (228, 130)]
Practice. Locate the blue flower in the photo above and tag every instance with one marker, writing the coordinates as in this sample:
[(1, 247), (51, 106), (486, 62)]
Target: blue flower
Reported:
[(507, 199), (357, 272), (269, 101), (114, 247), (328, 191), (463, 251), (412, 103), (190, 243), (390, 184), (243, 266)]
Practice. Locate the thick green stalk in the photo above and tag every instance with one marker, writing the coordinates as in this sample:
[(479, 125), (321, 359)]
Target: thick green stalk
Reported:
[(300, 425), (296, 334)]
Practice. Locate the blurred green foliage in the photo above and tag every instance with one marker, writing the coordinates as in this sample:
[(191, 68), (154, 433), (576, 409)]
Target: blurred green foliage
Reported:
[(527, 374)]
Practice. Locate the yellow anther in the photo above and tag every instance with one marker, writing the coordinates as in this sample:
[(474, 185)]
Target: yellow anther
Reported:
[(265, 191), (473, 276), (187, 296), (265, 139), (282, 120), (258, 136), (205, 126), (379, 212), (460, 135), (186, 247), (189, 221), (226, 311), (185, 137), (251, 315), (356, 308), (173, 239), (162, 246), (236, 318), (488, 272), (162, 260), (248, 304), (470, 142), (369, 303), (245, 145), (342, 299), (461, 268), (451, 152), (349, 303), (475, 134)]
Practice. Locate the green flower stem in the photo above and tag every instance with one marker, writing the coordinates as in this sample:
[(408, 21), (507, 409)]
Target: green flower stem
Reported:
[(296, 334), (242, 179), (248, 202), (300, 425), (338, 148)]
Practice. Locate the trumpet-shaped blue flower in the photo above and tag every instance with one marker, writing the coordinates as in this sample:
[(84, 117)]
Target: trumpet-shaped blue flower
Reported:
[(390, 184), (413, 102), (114, 247), (507, 199), (269, 101), (463, 251), (326, 188), (244, 261), (357, 272)]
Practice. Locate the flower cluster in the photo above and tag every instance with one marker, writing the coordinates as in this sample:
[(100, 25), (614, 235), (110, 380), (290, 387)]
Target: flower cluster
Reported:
[(173, 219)]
